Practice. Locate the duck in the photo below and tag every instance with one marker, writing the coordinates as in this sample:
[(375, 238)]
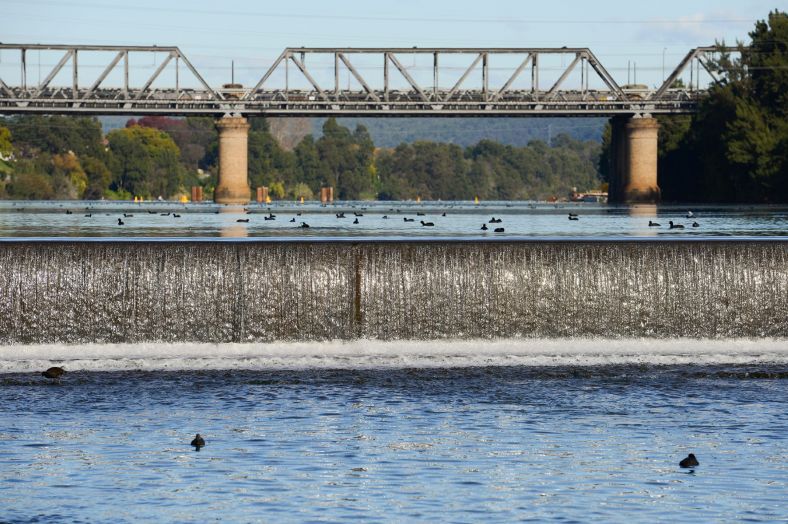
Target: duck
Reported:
[(304, 225), (355, 220), (444, 214), (695, 224), (53, 372), (340, 215), (385, 217), (176, 215), (406, 219), (499, 230), (689, 462), (68, 212), (484, 227), (427, 224), (675, 226), (89, 215), (271, 217), (243, 220), (127, 215), (574, 217), (420, 214), (198, 442), (690, 214), (358, 214), (164, 214), (653, 224), (120, 222), (292, 220), (494, 220)]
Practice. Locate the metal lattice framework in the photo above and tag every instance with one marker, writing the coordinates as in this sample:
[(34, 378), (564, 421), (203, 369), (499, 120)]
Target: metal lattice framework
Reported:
[(274, 95)]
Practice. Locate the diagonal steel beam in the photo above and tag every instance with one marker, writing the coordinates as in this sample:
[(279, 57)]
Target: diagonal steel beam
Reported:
[(268, 73), (103, 75), (53, 73), (5, 88), (512, 78), (463, 77), (197, 75), (679, 69), (306, 74), (155, 75), (702, 62), (551, 93), (606, 77), (358, 77), (404, 73)]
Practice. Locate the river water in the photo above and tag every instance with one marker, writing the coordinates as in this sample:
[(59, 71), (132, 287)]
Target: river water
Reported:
[(392, 372)]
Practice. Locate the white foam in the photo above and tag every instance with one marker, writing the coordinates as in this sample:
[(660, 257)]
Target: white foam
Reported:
[(371, 354)]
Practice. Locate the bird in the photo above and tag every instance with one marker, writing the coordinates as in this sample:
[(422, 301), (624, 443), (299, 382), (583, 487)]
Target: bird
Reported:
[(292, 219), (689, 462), (198, 442), (444, 214), (164, 214), (695, 224), (574, 217), (126, 215), (690, 214), (243, 220), (68, 212), (484, 227), (88, 215), (499, 230), (426, 224), (385, 217), (675, 226), (53, 372), (304, 225), (120, 222), (355, 221), (341, 215), (494, 220), (271, 217), (420, 214), (406, 219), (358, 214), (176, 215), (653, 224), (572, 214)]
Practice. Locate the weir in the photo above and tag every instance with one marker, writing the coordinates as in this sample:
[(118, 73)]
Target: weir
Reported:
[(218, 291)]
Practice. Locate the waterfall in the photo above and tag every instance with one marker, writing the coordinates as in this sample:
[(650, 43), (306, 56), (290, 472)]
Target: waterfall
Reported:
[(215, 291)]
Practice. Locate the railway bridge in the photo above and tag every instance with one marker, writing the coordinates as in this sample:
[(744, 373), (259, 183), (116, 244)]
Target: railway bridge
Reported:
[(413, 82)]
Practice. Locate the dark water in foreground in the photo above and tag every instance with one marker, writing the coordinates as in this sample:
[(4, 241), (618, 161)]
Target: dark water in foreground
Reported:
[(487, 444)]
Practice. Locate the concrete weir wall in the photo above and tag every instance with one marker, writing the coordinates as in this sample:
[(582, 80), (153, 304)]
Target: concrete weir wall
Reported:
[(214, 291)]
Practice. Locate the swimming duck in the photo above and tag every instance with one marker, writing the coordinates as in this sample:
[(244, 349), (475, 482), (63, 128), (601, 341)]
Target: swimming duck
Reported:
[(198, 442), (53, 372), (427, 224), (675, 226), (484, 227), (689, 462), (653, 224)]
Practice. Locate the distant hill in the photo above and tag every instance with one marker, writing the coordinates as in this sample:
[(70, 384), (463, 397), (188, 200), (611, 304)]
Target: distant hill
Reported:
[(390, 132)]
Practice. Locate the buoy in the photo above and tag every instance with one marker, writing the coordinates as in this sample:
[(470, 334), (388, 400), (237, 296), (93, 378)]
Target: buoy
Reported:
[(267, 199), (302, 200), (476, 200), (184, 199)]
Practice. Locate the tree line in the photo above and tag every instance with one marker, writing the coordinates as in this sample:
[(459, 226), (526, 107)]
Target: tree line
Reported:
[(57, 157), (735, 148)]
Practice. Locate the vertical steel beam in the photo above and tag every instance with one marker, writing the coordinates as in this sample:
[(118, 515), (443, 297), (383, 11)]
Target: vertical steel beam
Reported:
[(74, 75), (126, 74), (485, 76), (177, 77), (386, 76), (435, 75), (535, 76), (336, 75), (24, 70)]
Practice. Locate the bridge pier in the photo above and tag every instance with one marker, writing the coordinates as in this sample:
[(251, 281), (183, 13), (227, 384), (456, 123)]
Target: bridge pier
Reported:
[(233, 184), (634, 144)]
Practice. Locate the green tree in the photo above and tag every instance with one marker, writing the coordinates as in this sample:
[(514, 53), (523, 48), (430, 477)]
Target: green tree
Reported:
[(145, 162)]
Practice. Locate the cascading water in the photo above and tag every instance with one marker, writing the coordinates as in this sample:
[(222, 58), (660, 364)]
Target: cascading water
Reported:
[(138, 291)]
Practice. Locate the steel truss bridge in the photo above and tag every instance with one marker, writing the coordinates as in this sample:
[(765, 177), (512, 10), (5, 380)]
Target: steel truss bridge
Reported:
[(275, 95)]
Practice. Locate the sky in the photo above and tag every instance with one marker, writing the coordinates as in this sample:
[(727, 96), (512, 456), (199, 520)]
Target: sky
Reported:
[(626, 36)]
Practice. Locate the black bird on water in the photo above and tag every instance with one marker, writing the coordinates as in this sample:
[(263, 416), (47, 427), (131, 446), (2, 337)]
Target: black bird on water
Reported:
[(427, 224), (484, 227), (292, 219), (675, 226), (653, 224), (358, 214), (341, 215), (176, 215), (695, 224), (494, 220), (53, 372), (420, 214), (408, 219), (304, 225), (385, 217), (574, 217), (126, 215), (689, 462), (444, 214), (499, 230), (68, 212), (355, 221), (120, 222), (88, 215), (243, 220), (198, 442)]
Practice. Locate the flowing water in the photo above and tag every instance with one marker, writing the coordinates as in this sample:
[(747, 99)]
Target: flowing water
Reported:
[(389, 371)]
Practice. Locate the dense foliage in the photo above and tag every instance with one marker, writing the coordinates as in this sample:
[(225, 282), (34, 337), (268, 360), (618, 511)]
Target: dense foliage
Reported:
[(65, 157), (735, 149)]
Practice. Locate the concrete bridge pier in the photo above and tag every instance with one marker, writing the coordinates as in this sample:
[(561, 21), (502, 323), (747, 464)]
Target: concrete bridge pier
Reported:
[(634, 151), (233, 184)]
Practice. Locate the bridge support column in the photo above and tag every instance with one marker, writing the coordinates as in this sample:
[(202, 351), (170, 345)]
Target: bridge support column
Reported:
[(634, 152), (233, 184)]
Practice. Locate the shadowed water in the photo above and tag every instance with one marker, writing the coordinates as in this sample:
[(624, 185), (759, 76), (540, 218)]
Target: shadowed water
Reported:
[(496, 444)]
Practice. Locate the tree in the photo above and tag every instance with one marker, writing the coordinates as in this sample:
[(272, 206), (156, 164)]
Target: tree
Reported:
[(146, 162)]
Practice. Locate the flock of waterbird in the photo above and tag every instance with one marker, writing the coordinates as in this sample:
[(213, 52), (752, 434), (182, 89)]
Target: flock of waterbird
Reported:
[(341, 215), (198, 442)]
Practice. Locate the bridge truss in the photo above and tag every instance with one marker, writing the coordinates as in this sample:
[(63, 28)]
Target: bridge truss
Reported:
[(291, 86)]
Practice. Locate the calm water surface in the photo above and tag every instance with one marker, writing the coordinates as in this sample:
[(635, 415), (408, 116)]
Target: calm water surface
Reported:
[(463, 219), (491, 444)]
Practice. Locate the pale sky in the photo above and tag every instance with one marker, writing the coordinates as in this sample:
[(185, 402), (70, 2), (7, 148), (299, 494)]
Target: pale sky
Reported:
[(212, 34)]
